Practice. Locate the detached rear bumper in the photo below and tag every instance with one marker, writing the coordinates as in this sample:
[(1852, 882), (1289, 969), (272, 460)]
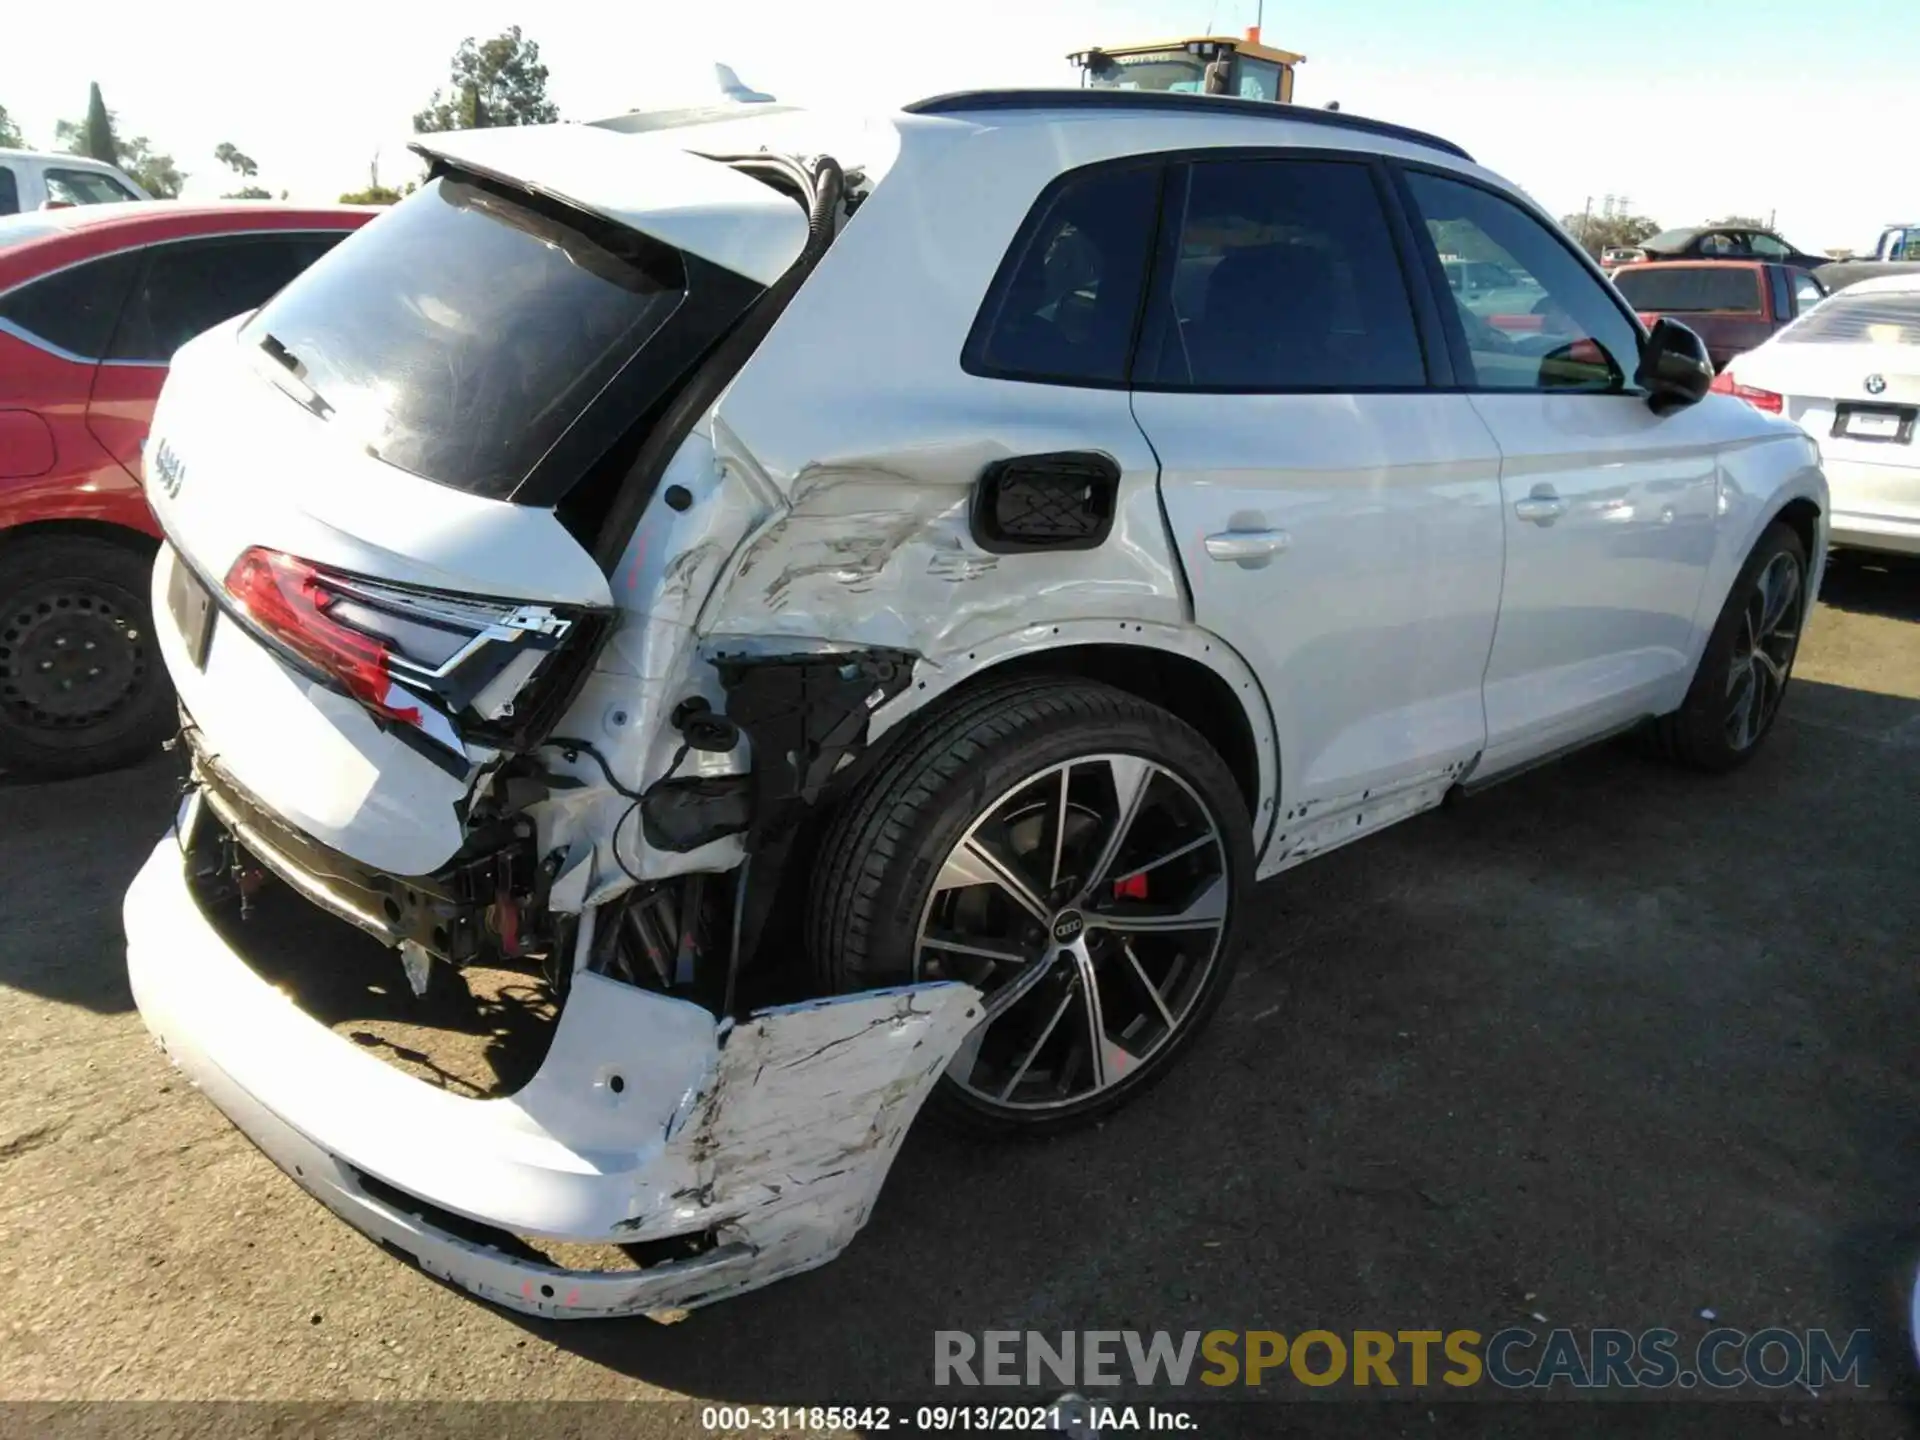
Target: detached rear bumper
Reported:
[(648, 1120)]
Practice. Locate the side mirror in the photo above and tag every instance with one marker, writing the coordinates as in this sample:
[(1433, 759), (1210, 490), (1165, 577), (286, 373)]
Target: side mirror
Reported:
[(1675, 369)]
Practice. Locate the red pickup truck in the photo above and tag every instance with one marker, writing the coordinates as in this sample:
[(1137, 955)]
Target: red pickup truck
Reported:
[(1734, 305)]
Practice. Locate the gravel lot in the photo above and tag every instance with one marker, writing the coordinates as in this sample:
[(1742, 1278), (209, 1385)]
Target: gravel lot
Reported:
[(1611, 1043)]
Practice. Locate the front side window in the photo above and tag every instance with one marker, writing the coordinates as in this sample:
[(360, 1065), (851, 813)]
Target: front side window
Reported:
[(191, 286), (1692, 290), (1284, 278), (1063, 308), (1768, 248), (85, 187), (1807, 291), (73, 310), (9, 192), (1551, 325), (462, 333)]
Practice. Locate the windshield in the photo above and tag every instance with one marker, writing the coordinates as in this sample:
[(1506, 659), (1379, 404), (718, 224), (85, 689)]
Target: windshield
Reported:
[(1174, 70), (461, 333), (1693, 291), (1843, 319)]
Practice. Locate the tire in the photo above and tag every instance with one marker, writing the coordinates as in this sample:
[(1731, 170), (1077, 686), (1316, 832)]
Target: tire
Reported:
[(1029, 774), (82, 686), (1714, 729)]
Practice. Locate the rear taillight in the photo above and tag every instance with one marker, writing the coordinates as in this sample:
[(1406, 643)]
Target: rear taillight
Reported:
[(1725, 384), (448, 665), (287, 599)]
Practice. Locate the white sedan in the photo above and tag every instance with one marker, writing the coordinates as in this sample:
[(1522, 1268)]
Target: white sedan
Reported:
[(1849, 372)]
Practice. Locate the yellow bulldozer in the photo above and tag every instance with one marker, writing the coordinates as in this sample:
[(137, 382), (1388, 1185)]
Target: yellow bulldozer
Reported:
[(1203, 65)]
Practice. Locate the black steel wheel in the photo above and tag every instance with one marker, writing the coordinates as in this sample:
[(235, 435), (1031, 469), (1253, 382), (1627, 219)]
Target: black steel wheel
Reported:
[(82, 686)]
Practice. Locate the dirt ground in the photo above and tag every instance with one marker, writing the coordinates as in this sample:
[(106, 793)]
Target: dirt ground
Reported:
[(1610, 1044)]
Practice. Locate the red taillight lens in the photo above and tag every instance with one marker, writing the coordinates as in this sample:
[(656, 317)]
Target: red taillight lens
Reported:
[(288, 600), (1725, 384)]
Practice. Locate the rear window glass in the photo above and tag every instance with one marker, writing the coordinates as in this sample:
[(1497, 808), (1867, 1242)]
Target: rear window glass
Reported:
[(1692, 291), (74, 309), (1858, 319), (460, 334)]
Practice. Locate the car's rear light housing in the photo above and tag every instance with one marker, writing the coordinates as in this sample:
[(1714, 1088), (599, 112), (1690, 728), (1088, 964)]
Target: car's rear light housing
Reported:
[(288, 599), (1767, 400), (447, 666)]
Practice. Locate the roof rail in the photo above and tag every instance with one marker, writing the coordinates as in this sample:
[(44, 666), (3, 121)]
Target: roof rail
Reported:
[(966, 102)]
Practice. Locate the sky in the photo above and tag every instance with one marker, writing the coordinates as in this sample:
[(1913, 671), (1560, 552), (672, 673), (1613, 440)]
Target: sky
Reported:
[(1690, 109)]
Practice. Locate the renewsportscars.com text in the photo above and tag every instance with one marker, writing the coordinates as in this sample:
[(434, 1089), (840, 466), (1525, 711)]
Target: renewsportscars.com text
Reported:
[(1514, 1358)]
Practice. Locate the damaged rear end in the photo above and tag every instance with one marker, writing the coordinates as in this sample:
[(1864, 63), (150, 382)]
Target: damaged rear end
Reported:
[(408, 507)]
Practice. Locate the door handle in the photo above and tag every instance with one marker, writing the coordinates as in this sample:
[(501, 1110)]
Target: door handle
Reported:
[(1247, 547), (1542, 507)]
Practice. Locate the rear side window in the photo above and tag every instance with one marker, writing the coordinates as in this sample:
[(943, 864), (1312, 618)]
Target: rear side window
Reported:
[(1065, 303), (1694, 291), (73, 309), (461, 333), (1870, 319), (9, 192), (191, 286), (1283, 277), (84, 187)]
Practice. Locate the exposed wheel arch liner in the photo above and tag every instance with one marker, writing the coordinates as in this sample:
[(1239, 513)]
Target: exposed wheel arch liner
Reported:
[(1227, 705)]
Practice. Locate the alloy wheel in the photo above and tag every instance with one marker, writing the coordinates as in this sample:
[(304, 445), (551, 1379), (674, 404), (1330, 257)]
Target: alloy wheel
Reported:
[(1088, 903), (1763, 651)]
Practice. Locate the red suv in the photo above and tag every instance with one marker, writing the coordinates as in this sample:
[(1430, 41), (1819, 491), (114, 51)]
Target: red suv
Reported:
[(93, 302)]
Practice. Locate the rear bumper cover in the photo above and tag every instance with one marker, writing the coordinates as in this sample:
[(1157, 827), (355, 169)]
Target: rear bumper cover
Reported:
[(648, 1120)]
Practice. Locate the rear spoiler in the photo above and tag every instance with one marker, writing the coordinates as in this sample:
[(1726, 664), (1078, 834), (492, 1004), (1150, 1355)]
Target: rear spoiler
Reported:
[(700, 206)]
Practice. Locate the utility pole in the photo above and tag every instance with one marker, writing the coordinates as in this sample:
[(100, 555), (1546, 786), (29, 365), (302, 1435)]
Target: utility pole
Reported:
[(1586, 222)]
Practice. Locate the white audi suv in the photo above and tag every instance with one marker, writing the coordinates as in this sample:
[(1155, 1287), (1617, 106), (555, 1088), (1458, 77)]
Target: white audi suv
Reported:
[(850, 606)]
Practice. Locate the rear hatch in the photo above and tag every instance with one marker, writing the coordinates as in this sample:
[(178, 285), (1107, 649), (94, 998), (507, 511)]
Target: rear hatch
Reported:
[(380, 569)]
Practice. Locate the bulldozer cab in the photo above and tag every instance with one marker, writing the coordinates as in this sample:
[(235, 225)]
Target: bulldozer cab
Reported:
[(1203, 65)]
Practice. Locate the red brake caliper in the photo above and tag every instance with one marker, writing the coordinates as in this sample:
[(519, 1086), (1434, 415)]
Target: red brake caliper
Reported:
[(1134, 887)]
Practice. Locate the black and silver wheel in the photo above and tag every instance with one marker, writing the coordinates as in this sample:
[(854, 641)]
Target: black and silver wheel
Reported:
[(82, 687), (1069, 850), (1748, 660)]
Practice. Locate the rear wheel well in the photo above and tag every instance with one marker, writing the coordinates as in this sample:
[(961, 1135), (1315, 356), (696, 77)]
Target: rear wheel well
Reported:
[(121, 535), (1182, 686)]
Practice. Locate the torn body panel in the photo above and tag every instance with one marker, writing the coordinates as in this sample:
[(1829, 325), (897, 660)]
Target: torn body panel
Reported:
[(768, 1139)]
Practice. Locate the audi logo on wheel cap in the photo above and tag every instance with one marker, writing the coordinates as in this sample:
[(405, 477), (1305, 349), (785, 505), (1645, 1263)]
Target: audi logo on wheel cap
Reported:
[(1876, 384), (1067, 927)]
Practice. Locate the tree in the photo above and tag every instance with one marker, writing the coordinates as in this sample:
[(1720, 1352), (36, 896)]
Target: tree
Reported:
[(10, 136), (496, 82), (153, 170), (157, 173), (242, 165), (230, 156), (1601, 232), (1738, 222), (98, 135), (377, 195)]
